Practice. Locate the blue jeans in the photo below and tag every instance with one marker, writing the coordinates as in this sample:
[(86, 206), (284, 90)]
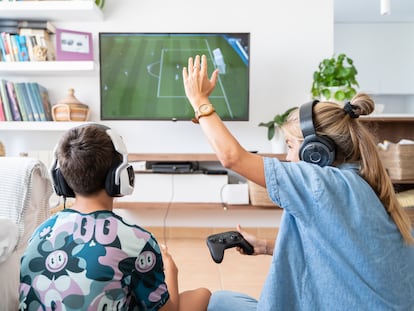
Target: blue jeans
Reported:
[(224, 300)]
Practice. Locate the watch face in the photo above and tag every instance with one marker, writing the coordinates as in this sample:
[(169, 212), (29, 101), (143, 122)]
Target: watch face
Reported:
[(205, 108)]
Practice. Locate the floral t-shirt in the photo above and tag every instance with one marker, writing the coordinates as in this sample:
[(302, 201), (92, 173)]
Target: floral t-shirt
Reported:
[(91, 261)]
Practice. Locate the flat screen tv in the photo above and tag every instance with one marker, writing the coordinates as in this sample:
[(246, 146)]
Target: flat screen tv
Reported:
[(141, 74)]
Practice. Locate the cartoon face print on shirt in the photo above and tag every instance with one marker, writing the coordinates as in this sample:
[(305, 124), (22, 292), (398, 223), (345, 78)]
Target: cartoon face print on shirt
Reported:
[(145, 261), (56, 261)]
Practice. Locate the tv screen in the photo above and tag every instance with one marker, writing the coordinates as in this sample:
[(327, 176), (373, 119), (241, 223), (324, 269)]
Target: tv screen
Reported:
[(141, 74)]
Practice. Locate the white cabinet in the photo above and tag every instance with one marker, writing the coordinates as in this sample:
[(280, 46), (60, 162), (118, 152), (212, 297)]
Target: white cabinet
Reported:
[(78, 10)]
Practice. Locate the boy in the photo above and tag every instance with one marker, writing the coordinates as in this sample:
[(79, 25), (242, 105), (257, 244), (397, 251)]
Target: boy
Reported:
[(87, 257)]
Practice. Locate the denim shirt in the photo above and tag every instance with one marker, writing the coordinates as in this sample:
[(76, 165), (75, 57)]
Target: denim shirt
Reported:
[(337, 247)]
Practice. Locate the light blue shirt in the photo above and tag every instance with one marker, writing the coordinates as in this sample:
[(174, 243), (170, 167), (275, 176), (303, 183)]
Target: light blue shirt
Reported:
[(337, 248)]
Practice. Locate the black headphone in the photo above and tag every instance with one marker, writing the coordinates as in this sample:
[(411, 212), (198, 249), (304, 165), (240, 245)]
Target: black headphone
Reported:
[(119, 179), (315, 149)]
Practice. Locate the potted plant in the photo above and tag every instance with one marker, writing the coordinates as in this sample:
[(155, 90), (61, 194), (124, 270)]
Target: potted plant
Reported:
[(277, 121), (273, 131), (335, 79)]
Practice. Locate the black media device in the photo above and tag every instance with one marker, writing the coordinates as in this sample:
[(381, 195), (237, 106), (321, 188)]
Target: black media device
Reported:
[(172, 167), (217, 243)]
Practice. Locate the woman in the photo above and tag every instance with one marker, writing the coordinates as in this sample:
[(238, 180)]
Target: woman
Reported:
[(344, 242)]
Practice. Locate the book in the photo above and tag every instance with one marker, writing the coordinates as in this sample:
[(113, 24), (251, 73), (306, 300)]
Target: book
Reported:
[(24, 99), (3, 55), (37, 24), (30, 43), (14, 47), (22, 48), (43, 38), (38, 100), (8, 22), (5, 100), (47, 107), (2, 116), (6, 43), (14, 106), (32, 101), (21, 103), (9, 29)]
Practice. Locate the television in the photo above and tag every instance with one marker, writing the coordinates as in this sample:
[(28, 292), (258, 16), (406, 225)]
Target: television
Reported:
[(141, 74)]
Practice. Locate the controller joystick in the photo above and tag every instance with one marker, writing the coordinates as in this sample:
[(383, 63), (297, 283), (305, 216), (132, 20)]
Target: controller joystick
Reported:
[(217, 243)]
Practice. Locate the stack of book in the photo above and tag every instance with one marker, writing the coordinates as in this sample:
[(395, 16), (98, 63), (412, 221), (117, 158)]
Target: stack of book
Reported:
[(26, 40), (24, 101)]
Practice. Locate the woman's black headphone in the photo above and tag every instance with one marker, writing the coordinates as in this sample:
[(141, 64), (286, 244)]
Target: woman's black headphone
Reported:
[(315, 149), (119, 180)]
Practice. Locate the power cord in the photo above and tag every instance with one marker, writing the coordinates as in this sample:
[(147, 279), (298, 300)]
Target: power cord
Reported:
[(167, 211)]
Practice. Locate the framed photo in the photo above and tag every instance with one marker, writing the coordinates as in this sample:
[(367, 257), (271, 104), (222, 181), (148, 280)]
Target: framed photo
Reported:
[(73, 45)]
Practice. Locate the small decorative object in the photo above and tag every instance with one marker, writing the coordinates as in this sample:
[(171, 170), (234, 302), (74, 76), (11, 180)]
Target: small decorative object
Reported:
[(73, 45), (2, 150), (335, 79), (40, 53), (274, 133), (70, 109)]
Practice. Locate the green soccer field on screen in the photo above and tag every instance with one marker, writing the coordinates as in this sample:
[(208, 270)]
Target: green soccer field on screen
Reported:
[(141, 74)]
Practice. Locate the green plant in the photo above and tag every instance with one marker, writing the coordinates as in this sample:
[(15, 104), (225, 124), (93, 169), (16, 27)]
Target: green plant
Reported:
[(277, 121), (335, 72)]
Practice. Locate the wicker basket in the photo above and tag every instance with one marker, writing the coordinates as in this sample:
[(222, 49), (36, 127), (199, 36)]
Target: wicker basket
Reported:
[(410, 212), (2, 150), (397, 159), (258, 195)]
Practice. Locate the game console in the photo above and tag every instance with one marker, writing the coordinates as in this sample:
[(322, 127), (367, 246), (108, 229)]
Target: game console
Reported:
[(219, 242)]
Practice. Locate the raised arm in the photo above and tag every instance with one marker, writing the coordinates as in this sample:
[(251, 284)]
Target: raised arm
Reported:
[(230, 153)]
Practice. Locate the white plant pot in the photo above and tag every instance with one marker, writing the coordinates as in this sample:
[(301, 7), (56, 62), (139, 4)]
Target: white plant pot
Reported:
[(278, 142)]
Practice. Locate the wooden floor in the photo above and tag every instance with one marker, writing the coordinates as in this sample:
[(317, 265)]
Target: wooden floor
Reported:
[(196, 267)]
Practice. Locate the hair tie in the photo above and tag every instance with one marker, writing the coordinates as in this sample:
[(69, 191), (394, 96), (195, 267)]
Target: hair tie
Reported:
[(349, 109)]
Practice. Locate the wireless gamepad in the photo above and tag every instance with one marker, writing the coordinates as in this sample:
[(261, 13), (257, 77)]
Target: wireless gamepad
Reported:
[(217, 243)]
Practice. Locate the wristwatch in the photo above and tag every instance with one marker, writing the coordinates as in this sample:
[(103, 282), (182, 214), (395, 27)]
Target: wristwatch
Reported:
[(203, 111)]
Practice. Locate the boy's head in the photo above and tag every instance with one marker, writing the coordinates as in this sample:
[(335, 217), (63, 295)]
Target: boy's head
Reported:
[(90, 158)]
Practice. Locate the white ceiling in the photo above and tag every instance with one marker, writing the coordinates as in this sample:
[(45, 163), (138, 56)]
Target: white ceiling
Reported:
[(368, 11)]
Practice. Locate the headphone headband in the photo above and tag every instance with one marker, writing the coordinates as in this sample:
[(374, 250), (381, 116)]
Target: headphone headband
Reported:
[(119, 179)]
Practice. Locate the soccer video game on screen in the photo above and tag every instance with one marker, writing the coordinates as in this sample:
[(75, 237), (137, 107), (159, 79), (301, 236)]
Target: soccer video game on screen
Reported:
[(141, 74)]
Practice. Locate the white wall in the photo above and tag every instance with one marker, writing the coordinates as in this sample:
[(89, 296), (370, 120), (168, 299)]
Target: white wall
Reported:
[(288, 39), (383, 54)]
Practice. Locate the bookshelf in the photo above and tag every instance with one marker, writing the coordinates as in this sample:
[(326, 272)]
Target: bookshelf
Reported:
[(39, 126), (78, 10), (47, 67)]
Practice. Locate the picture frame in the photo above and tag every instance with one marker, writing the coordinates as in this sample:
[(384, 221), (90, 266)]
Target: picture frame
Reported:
[(73, 45)]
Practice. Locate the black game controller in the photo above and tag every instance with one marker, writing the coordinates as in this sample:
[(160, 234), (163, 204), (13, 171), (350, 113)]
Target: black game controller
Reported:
[(217, 243)]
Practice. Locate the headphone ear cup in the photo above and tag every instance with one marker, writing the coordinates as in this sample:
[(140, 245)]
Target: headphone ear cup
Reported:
[(60, 185), (317, 150), (123, 186), (112, 186)]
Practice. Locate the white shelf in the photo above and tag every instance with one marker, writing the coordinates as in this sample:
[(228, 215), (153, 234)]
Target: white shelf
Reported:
[(50, 126), (45, 68), (77, 10)]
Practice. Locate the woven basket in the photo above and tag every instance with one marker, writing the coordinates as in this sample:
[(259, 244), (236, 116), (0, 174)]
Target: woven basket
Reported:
[(397, 160), (2, 150), (258, 195)]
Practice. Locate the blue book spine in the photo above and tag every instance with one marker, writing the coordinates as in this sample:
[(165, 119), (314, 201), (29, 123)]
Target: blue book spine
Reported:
[(32, 101), (22, 47), (38, 101), (21, 89), (44, 94)]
